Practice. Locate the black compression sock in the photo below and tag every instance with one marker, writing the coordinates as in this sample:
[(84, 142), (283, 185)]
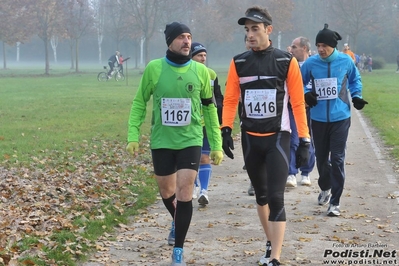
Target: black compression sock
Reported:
[(184, 213), (170, 205), (268, 249)]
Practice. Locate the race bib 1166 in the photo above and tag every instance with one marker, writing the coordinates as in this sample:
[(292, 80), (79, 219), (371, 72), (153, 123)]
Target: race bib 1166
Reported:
[(327, 88)]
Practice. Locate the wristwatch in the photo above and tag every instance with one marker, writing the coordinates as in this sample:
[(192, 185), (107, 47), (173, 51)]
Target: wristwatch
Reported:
[(306, 140)]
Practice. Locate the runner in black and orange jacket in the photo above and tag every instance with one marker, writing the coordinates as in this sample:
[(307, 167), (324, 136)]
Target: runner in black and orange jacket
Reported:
[(266, 78)]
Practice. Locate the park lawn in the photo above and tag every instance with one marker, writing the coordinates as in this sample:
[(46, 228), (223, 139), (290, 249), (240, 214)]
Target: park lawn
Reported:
[(47, 113), (381, 90), (64, 170)]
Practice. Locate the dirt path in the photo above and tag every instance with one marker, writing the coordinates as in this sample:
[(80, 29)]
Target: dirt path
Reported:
[(228, 232)]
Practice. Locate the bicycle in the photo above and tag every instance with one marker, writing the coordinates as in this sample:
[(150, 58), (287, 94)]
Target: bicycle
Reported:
[(116, 73)]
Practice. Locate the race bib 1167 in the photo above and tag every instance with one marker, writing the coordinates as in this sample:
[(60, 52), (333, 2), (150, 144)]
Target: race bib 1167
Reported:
[(176, 111)]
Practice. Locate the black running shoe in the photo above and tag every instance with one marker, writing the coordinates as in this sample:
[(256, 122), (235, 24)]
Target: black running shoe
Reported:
[(274, 262)]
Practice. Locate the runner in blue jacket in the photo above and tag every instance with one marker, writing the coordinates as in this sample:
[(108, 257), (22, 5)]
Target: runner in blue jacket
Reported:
[(333, 76)]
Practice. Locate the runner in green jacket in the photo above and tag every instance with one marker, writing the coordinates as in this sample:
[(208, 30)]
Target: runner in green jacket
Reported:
[(198, 53), (180, 90)]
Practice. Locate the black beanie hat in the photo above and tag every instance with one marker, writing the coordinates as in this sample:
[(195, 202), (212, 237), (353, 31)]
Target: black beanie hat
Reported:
[(173, 30), (196, 48), (328, 37)]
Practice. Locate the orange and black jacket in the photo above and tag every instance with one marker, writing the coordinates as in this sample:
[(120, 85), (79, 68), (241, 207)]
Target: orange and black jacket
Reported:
[(269, 69)]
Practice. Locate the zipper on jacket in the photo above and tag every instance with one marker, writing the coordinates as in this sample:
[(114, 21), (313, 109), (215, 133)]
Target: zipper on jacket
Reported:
[(328, 102)]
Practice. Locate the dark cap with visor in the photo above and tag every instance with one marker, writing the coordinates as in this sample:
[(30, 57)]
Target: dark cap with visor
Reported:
[(255, 16)]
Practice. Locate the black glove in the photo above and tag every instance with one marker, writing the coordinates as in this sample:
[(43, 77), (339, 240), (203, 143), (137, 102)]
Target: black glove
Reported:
[(228, 143), (311, 98), (302, 153), (358, 103)]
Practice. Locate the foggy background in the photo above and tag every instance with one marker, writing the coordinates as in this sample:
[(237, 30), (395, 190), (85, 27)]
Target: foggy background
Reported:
[(87, 32)]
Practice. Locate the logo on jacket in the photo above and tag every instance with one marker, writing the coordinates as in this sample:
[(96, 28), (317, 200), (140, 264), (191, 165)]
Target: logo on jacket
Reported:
[(189, 87)]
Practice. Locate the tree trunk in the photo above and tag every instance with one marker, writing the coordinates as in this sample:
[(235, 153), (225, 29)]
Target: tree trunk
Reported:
[(354, 43), (4, 56), (47, 67), (71, 52), (146, 55), (142, 58), (18, 47), (136, 55), (54, 44), (77, 55), (99, 42)]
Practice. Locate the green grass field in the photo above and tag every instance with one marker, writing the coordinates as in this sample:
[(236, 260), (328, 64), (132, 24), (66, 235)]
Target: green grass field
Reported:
[(64, 136), (39, 113), (381, 90), (49, 113), (62, 154)]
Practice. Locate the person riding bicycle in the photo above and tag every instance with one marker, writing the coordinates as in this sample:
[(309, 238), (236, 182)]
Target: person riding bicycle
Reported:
[(111, 62), (121, 60)]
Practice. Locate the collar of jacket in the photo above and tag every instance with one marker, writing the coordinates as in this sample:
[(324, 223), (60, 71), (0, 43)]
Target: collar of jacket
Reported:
[(265, 51), (331, 57)]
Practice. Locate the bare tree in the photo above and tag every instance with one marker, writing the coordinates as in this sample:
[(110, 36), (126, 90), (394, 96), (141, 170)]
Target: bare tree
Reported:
[(394, 13), (47, 17), (146, 15), (116, 24), (204, 29), (99, 8), (353, 17), (133, 33), (309, 17), (15, 29), (54, 44), (79, 19), (18, 45)]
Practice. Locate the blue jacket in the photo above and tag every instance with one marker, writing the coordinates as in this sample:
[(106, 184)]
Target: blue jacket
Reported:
[(336, 104)]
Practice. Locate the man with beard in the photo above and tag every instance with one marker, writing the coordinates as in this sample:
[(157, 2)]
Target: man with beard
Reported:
[(181, 94)]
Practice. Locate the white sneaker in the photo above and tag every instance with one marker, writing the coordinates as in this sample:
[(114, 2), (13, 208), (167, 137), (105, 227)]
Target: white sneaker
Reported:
[(324, 197), (203, 198), (264, 260), (333, 210), (291, 181), (305, 181), (195, 191)]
